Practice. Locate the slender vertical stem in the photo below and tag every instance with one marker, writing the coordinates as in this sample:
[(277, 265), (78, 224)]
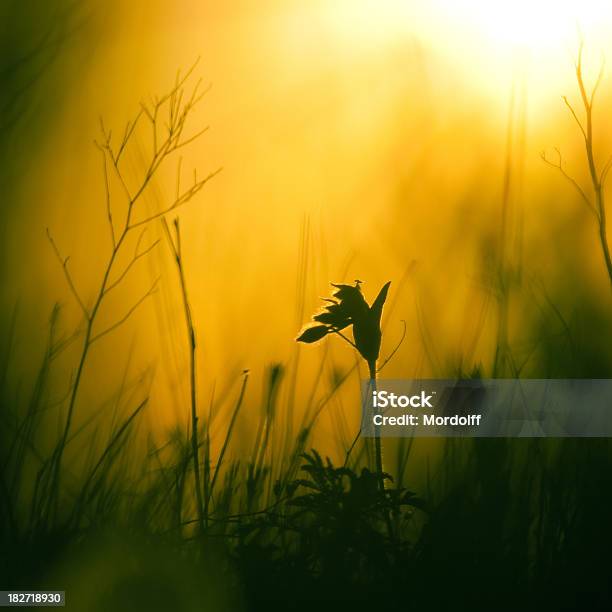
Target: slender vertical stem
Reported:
[(173, 141), (596, 179), (377, 442), (195, 444), (91, 319), (501, 345), (378, 451), (228, 436), (600, 203), (603, 238)]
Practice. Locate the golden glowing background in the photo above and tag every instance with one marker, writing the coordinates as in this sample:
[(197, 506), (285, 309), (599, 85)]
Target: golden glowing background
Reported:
[(358, 139)]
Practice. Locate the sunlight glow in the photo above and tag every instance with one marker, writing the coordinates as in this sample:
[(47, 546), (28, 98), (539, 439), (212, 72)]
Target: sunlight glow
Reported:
[(491, 42), (532, 25)]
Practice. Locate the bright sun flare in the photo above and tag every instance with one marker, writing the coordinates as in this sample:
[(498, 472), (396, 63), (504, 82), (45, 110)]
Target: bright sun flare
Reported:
[(492, 43), (500, 26), (531, 25)]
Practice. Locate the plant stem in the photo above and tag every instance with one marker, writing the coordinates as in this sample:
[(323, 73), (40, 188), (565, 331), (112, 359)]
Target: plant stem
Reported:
[(596, 179), (87, 341), (195, 444), (179, 109), (600, 204), (377, 442), (378, 451)]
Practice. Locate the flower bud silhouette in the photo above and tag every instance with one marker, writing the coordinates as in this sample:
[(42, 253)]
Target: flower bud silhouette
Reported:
[(347, 307)]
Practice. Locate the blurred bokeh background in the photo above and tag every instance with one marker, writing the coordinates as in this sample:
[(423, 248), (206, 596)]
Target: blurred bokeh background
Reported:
[(362, 140)]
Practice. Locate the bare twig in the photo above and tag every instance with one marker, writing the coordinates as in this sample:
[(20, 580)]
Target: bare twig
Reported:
[(109, 213), (573, 112), (559, 166), (605, 170), (180, 201), (135, 258), (64, 263), (597, 204), (152, 289), (129, 130), (401, 341), (165, 141)]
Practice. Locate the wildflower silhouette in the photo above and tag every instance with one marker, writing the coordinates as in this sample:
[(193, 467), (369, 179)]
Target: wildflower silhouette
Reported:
[(347, 307)]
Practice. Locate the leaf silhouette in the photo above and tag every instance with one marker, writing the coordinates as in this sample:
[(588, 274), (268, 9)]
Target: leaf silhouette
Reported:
[(313, 334), (334, 317), (380, 300), (366, 328)]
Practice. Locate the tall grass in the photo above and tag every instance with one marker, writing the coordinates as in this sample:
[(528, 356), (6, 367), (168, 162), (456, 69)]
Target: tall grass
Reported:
[(167, 138)]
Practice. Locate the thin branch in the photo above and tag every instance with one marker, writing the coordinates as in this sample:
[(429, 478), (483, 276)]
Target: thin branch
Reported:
[(170, 239), (145, 109), (598, 81), (109, 213), (571, 108), (178, 110), (570, 179), (183, 199), (106, 147), (111, 445), (604, 172), (597, 178), (129, 130), (388, 359), (128, 314), (178, 177), (134, 259), (63, 343), (172, 141), (228, 436), (139, 241), (190, 139), (583, 94), (107, 134), (339, 333), (64, 263), (191, 333)]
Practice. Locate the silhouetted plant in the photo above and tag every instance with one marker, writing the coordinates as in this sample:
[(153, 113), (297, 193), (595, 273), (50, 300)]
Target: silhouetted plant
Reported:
[(174, 241), (168, 136), (347, 307), (343, 495), (597, 203), (332, 521)]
